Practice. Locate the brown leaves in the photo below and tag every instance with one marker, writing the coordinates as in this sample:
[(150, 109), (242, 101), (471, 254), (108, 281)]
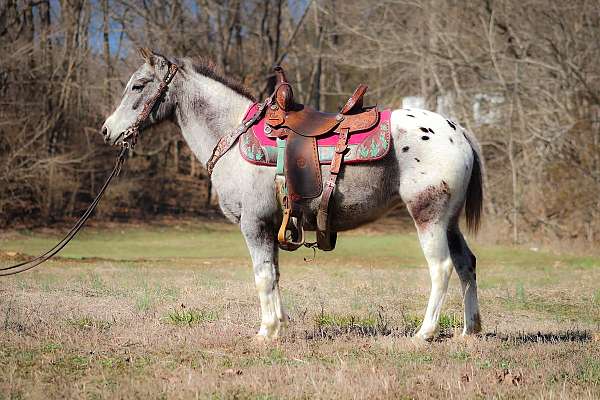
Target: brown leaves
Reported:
[(508, 377), (232, 372), (465, 378)]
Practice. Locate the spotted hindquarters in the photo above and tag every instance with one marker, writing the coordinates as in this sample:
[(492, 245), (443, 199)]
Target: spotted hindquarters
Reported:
[(430, 204)]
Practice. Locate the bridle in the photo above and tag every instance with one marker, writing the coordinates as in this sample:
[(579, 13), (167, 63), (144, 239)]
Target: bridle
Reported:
[(129, 139), (130, 135)]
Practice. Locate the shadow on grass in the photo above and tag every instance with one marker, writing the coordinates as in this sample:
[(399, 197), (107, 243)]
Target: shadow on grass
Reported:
[(327, 326), (581, 336), (335, 332)]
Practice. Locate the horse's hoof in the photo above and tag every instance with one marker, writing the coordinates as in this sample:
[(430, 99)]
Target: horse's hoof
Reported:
[(262, 338), (470, 336), (420, 341)]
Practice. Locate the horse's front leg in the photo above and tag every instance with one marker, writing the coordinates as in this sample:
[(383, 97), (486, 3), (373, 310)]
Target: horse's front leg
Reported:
[(260, 238)]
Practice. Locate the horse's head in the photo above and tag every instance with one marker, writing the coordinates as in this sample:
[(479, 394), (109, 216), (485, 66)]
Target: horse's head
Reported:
[(142, 85)]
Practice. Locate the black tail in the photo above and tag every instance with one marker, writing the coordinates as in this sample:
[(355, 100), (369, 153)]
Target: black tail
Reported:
[(474, 201)]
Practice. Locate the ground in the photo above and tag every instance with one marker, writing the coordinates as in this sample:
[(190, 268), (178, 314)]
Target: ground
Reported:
[(170, 311)]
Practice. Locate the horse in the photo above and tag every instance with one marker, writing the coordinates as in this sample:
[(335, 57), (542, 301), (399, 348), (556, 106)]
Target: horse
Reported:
[(434, 168)]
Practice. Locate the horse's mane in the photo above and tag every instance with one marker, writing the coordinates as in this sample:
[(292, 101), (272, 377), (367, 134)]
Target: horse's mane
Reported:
[(205, 67)]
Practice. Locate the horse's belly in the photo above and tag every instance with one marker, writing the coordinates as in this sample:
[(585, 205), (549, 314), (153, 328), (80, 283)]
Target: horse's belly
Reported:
[(364, 193)]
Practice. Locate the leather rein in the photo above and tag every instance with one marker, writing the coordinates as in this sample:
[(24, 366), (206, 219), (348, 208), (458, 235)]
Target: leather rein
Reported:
[(129, 139)]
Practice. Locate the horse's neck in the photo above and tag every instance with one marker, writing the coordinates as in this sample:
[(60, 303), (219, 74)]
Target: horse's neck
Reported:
[(207, 110)]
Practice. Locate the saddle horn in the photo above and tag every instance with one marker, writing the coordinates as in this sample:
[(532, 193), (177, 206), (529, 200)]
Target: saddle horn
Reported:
[(284, 96)]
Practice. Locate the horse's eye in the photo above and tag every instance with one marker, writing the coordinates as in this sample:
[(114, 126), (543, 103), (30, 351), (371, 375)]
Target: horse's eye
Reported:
[(138, 87)]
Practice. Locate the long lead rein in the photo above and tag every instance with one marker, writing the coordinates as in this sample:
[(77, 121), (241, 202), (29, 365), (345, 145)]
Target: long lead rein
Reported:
[(34, 262), (127, 145)]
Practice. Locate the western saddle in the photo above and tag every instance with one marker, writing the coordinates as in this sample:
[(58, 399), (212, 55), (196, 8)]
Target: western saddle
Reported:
[(297, 128)]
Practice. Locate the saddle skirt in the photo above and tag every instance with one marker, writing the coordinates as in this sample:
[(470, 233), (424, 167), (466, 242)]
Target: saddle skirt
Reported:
[(363, 146)]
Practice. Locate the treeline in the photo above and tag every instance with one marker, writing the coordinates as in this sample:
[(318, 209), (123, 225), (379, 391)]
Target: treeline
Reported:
[(523, 75)]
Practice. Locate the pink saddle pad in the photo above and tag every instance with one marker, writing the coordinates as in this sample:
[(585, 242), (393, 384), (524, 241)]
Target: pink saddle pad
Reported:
[(369, 145)]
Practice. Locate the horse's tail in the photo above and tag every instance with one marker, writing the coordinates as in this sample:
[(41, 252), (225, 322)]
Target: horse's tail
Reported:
[(474, 197)]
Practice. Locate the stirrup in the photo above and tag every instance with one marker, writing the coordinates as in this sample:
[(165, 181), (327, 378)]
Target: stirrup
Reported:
[(291, 232)]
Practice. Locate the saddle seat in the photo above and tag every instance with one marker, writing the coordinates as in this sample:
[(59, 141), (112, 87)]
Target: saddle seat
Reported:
[(308, 122), (299, 126)]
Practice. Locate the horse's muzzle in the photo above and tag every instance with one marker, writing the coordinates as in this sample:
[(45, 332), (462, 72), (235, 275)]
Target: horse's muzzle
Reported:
[(105, 134)]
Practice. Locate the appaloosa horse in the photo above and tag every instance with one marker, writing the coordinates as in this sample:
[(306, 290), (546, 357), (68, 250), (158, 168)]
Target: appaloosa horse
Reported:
[(434, 167)]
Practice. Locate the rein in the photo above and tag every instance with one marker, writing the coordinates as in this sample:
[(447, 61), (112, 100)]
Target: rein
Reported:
[(34, 262), (129, 139)]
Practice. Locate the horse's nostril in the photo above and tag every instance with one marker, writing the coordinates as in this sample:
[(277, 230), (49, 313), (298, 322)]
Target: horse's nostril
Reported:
[(105, 134)]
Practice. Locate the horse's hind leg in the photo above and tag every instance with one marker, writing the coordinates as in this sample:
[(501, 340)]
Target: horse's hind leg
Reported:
[(435, 248), (429, 208), (260, 238), (465, 262)]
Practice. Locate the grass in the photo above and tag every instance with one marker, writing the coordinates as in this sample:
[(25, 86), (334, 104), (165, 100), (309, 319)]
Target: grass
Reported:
[(171, 311), (87, 323), (190, 317)]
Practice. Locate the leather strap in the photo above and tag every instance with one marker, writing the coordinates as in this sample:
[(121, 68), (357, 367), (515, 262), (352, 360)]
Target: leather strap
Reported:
[(323, 233), (227, 141), (355, 101)]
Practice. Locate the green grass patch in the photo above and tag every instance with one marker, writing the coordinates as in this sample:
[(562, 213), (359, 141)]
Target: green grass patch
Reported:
[(559, 309), (51, 348), (596, 298), (450, 322), (189, 317), (148, 296), (211, 241), (345, 321), (461, 355), (413, 357), (71, 363), (327, 325), (88, 323), (589, 372)]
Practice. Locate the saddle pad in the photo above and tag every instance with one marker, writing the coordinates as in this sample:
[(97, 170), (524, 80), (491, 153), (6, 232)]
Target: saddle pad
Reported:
[(370, 145)]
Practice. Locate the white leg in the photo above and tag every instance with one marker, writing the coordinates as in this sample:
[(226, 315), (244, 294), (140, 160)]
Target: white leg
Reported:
[(435, 248), (260, 239)]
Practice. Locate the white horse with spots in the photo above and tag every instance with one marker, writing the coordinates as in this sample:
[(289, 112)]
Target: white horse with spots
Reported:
[(434, 167)]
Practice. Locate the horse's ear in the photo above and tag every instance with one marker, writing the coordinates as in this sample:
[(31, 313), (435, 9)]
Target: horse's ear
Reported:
[(147, 54)]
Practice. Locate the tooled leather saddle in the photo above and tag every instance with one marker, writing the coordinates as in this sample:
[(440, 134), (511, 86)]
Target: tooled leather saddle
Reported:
[(297, 129)]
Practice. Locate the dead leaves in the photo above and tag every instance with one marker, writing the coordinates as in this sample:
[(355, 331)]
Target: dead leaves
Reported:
[(508, 377), (232, 372)]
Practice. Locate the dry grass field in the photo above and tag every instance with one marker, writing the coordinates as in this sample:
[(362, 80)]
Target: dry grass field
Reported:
[(170, 312)]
